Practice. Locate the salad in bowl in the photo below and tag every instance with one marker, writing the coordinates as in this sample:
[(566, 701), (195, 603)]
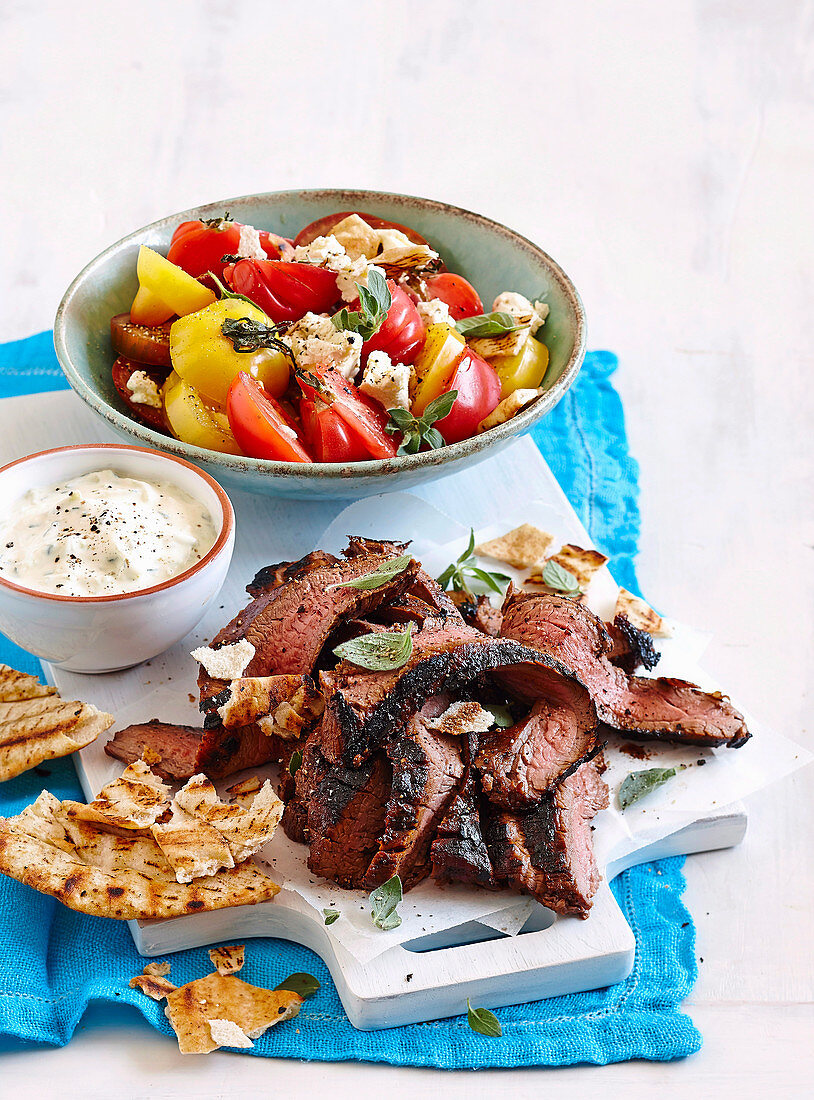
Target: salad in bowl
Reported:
[(352, 341)]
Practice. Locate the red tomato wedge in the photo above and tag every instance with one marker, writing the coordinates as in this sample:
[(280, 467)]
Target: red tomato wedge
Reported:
[(478, 389), (198, 246), (123, 369), (459, 294), (402, 333), (260, 425), (328, 436), (365, 417), (323, 226), (284, 291)]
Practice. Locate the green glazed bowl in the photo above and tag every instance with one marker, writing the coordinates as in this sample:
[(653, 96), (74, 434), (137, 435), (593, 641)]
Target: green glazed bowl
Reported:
[(491, 256)]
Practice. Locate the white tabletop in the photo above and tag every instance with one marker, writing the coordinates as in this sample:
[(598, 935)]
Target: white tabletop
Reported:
[(662, 155)]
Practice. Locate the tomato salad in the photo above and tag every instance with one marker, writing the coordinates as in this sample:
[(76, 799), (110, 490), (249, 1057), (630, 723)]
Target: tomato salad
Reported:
[(351, 342)]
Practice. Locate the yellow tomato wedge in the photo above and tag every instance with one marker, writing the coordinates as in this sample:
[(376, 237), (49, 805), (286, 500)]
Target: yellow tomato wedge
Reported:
[(435, 364), (149, 310), (192, 421), (167, 282), (207, 359), (523, 371)]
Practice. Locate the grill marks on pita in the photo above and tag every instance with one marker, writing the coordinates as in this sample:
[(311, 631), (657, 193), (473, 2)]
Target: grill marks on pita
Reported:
[(36, 725)]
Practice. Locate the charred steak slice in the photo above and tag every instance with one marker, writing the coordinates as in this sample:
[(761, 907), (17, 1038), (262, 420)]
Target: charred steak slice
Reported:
[(548, 851), (171, 750), (427, 771), (346, 816), (271, 576), (459, 852), (477, 611), (631, 648), (520, 764), (661, 708)]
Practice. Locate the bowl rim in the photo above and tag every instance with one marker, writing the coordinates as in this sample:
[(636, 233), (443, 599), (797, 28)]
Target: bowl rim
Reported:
[(224, 535), (370, 469)]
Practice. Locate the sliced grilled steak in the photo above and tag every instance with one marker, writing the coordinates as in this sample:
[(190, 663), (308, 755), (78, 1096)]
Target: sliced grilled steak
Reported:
[(477, 611), (424, 587), (520, 764), (459, 852), (631, 648), (172, 751), (548, 852), (360, 547), (427, 771), (346, 816), (271, 576), (363, 709), (661, 708)]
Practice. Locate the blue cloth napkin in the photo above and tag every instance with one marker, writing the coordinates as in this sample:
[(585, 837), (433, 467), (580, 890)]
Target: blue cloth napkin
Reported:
[(54, 962)]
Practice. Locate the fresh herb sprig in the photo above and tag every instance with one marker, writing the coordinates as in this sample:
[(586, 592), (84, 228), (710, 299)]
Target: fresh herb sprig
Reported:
[(638, 784), (306, 985), (375, 300), (330, 916), (419, 430), (483, 1021), (295, 763), (487, 324), (248, 336), (464, 569), (384, 901), (383, 573), (379, 652), (560, 579)]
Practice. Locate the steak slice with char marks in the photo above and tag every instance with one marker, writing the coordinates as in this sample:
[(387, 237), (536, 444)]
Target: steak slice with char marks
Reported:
[(631, 648), (548, 851), (363, 709), (172, 751), (520, 764), (272, 576), (478, 611), (459, 852), (427, 771), (660, 708)]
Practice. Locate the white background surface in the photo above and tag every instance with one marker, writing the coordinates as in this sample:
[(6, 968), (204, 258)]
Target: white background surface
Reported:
[(663, 154)]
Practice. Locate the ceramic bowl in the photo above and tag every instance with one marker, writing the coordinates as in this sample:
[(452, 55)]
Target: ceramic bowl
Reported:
[(105, 633), (491, 256)]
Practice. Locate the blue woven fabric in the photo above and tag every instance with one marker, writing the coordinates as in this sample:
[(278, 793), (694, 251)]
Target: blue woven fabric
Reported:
[(54, 962)]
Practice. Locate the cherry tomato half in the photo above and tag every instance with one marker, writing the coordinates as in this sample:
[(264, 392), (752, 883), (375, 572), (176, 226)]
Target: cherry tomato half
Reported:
[(365, 417), (284, 291), (478, 389), (198, 246), (145, 343), (323, 226), (328, 436), (260, 425), (402, 332), (461, 297)]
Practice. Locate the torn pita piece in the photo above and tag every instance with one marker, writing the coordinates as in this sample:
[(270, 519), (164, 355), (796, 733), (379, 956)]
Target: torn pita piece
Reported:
[(522, 548), (640, 614), (36, 725), (202, 1011), (158, 970), (135, 800), (282, 705), (99, 868), (244, 829), (153, 985), (228, 960)]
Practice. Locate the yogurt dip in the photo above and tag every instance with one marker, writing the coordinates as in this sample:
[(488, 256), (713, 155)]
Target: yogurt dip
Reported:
[(101, 534)]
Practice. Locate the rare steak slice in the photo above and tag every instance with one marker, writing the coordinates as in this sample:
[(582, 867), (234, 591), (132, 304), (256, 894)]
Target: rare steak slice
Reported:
[(171, 751), (661, 708), (459, 852), (423, 586), (363, 709), (520, 764), (631, 648), (271, 576), (346, 817), (548, 851), (478, 611), (427, 771)]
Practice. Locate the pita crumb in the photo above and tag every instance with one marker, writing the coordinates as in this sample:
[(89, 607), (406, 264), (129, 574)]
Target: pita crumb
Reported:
[(640, 614), (508, 408), (191, 1009), (158, 970), (245, 787), (228, 1034), (36, 725), (228, 960), (522, 548), (74, 854), (153, 985)]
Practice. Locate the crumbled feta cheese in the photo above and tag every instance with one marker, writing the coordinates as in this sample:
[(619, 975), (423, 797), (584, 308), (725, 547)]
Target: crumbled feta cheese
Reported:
[(316, 342), (322, 251), (386, 382), (249, 246), (516, 305), (462, 718), (509, 343), (328, 252), (435, 312), (541, 312), (228, 662), (143, 389)]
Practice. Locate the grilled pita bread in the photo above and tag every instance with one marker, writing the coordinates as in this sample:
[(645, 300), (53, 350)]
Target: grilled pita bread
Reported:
[(154, 985), (158, 970), (288, 702), (193, 848), (36, 725), (228, 960), (522, 548), (108, 871), (640, 614), (192, 1008), (580, 563), (135, 800), (245, 830)]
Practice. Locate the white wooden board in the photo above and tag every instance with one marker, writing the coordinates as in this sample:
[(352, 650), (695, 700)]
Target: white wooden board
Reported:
[(551, 956)]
